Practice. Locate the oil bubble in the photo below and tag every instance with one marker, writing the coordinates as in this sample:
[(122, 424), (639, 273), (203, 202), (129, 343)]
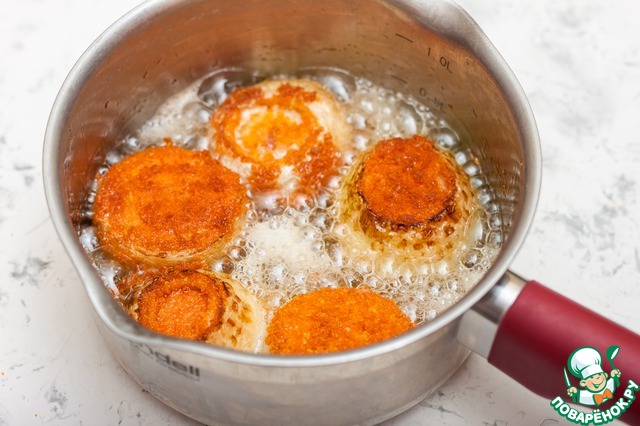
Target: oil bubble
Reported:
[(196, 111), (299, 278), (434, 289), (495, 239), (237, 253), (89, 239), (361, 142), (196, 143), (113, 157), (444, 137), (471, 258), (410, 311), (409, 121), (471, 168), (277, 273), (340, 83), (291, 247), (461, 157), (131, 144), (352, 277), (495, 221), (357, 121), (214, 89), (223, 265)]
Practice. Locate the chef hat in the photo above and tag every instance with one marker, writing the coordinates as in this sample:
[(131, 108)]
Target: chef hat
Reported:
[(585, 362)]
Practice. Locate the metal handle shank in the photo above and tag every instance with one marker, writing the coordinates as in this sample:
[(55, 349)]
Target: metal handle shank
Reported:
[(479, 326)]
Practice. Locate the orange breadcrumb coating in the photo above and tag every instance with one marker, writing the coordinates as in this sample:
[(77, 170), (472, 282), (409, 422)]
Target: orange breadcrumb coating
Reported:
[(179, 303), (334, 319), (408, 181), (272, 132), (166, 205)]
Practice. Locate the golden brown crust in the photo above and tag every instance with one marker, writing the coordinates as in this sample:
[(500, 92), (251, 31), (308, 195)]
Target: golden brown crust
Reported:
[(407, 181), (166, 205), (280, 128), (334, 319), (195, 304), (178, 303), (407, 230)]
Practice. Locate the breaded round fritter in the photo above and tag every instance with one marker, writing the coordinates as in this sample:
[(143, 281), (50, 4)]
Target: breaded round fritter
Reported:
[(408, 206), (332, 320), (196, 305), (179, 303), (407, 181), (284, 136), (167, 205)]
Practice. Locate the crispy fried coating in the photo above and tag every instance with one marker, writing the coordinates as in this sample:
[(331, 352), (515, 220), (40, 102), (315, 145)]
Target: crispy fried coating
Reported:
[(407, 181), (166, 205), (197, 305), (290, 132), (334, 319), (178, 303)]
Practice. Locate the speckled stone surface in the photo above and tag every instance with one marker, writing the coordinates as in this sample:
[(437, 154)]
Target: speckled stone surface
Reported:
[(578, 62)]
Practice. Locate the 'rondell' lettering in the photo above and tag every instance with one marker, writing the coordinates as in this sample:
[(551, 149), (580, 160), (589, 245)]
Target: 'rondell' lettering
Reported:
[(186, 370)]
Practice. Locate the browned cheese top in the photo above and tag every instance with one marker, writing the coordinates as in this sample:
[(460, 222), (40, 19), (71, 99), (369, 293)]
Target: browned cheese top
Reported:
[(179, 303), (165, 201), (334, 319), (407, 181)]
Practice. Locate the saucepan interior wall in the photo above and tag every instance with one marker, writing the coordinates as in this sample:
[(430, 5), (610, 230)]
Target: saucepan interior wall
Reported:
[(155, 56), (425, 49)]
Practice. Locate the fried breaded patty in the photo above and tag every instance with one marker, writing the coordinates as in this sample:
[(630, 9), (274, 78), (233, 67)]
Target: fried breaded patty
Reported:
[(178, 303), (166, 205), (334, 319), (408, 206), (284, 136), (407, 181), (196, 305)]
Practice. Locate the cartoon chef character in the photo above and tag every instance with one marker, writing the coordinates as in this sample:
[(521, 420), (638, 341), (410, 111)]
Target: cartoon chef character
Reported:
[(586, 364)]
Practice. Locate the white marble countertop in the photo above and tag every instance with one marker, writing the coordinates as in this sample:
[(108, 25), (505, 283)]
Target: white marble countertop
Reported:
[(579, 64)]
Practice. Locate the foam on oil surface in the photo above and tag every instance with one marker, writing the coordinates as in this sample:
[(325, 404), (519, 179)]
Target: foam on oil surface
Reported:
[(284, 251)]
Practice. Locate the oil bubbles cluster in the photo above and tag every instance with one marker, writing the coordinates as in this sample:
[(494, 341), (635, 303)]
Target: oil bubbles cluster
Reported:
[(283, 251)]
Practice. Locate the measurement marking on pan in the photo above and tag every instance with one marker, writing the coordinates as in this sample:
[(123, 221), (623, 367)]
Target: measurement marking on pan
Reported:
[(444, 62), (401, 80), (404, 37)]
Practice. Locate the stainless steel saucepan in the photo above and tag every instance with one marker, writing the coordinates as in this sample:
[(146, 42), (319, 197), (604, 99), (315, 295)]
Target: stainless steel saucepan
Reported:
[(431, 49)]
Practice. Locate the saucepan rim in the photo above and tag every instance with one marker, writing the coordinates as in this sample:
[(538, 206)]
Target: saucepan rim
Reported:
[(122, 325)]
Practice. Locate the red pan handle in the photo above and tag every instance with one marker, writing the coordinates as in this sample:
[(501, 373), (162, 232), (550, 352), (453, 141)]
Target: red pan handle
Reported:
[(537, 335)]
